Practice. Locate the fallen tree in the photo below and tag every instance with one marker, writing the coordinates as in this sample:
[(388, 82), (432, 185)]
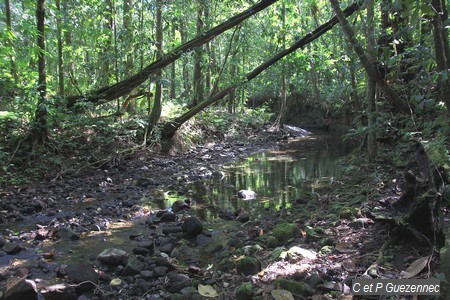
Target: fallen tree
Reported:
[(125, 86), (172, 126)]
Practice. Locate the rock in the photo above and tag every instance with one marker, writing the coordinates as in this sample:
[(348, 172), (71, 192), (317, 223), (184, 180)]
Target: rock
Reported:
[(315, 279), (175, 253), (20, 288), (242, 215), (160, 271), (226, 215), (61, 291), (144, 182), (296, 131), (113, 256), (141, 251), (285, 231), (244, 291), (11, 248), (295, 287), (171, 230), (150, 245), (246, 195), (133, 267), (179, 205), (82, 272), (68, 234), (161, 261), (147, 274), (177, 277), (167, 248), (168, 217), (192, 227), (248, 266), (360, 223)]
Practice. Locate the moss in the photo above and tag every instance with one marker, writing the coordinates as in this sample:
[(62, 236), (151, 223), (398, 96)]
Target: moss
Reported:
[(244, 291), (290, 285), (319, 230), (248, 266), (285, 231), (226, 265), (345, 213), (176, 297)]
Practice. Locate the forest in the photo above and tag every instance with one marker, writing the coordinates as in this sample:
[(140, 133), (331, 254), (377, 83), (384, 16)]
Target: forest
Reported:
[(271, 149)]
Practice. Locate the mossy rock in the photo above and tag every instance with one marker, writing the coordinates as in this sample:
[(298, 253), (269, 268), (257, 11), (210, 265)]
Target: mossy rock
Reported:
[(245, 291), (285, 231), (248, 266), (292, 286), (226, 265)]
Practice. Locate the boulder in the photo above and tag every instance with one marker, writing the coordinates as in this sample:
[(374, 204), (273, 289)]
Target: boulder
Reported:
[(82, 272), (192, 227), (61, 291), (246, 195), (113, 256), (20, 288)]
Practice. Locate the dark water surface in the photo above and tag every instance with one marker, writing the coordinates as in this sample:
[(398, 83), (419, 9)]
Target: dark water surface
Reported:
[(279, 177)]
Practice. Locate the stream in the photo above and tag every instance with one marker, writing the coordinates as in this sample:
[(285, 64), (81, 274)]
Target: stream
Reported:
[(278, 177)]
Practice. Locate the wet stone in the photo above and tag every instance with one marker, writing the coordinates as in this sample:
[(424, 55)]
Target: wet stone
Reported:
[(146, 244), (59, 291), (11, 248), (133, 267), (167, 248), (82, 272), (141, 251), (192, 227), (20, 288), (171, 230), (147, 274), (112, 256), (160, 271)]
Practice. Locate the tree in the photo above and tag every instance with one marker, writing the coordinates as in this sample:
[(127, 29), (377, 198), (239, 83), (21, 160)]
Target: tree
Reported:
[(198, 58), (440, 35), (60, 50), (12, 59), (369, 66), (127, 85), (39, 132), (157, 104), (171, 127), (372, 148)]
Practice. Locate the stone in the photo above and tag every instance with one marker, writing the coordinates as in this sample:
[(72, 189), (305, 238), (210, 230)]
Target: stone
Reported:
[(179, 205), (11, 248), (20, 288), (146, 274), (167, 248), (177, 277), (168, 217), (286, 231), (133, 267), (113, 256), (141, 251), (248, 266), (246, 195), (82, 272), (61, 291), (192, 227), (171, 230), (242, 215), (160, 271), (68, 234), (146, 244)]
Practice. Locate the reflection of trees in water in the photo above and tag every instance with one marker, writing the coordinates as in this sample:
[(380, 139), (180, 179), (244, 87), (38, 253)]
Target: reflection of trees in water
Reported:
[(279, 177)]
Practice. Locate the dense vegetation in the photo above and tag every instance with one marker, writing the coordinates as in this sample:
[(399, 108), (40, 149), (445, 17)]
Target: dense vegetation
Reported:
[(67, 66)]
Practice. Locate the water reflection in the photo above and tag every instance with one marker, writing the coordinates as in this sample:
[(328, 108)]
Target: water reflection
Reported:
[(279, 177)]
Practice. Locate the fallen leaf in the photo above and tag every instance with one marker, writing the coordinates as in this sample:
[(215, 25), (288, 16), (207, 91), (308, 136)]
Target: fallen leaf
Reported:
[(415, 268), (207, 291)]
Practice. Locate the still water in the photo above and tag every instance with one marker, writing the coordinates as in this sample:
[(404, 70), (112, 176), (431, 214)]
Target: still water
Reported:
[(279, 177)]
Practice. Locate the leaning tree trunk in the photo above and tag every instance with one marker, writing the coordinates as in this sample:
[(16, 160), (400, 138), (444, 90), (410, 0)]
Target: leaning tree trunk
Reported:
[(125, 86), (368, 65), (170, 128), (39, 132)]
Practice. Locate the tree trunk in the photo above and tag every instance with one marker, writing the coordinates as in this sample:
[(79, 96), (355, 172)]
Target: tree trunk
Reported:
[(129, 50), (369, 66), (39, 129), (185, 61), (281, 114), (60, 50), (441, 46), (198, 59), (171, 127), (127, 85), (157, 104), (372, 147), (12, 59)]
